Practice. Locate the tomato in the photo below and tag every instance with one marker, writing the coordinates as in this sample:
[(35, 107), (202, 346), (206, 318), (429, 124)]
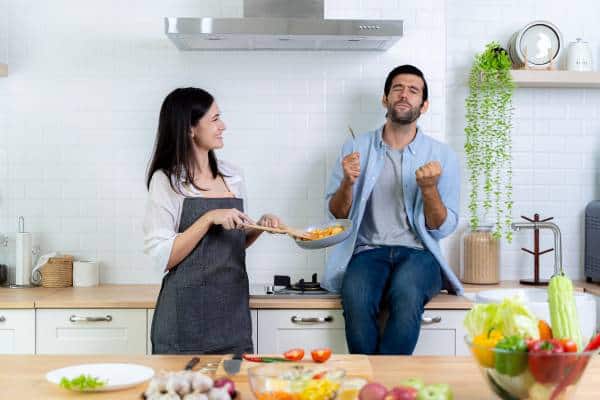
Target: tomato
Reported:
[(568, 345), (294, 354), (321, 355)]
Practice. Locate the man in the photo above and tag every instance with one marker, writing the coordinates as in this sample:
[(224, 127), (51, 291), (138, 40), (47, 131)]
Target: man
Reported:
[(401, 190)]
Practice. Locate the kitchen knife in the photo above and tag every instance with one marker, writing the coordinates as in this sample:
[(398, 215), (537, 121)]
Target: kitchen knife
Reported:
[(232, 366)]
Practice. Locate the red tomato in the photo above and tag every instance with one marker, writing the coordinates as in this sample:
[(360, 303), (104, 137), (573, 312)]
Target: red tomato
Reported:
[(294, 354), (321, 355), (568, 345)]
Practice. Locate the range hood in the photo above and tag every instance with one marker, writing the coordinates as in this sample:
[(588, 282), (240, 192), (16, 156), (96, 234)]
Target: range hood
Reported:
[(282, 25)]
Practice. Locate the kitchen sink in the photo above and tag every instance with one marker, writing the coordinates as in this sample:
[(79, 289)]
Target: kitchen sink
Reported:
[(537, 301)]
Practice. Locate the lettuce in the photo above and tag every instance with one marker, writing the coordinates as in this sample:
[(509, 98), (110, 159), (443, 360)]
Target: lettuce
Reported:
[(510, 317)]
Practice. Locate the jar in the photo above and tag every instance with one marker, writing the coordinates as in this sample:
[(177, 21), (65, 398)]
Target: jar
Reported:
[(480, 256), (579, 57)]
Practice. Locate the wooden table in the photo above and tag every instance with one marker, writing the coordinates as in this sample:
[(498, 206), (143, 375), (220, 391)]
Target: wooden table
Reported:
[(23, 377)]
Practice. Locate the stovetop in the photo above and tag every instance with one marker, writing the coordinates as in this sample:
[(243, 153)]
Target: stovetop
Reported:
[(282, 287)]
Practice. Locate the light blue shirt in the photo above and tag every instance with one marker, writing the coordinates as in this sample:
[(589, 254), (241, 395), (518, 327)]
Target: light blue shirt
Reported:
[(421, 150)]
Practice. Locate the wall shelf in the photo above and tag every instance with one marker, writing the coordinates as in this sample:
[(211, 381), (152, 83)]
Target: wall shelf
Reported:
[(3, 69), (555, 79)]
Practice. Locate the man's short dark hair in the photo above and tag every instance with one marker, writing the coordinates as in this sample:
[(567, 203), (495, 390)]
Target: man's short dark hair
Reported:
[(406, 69)]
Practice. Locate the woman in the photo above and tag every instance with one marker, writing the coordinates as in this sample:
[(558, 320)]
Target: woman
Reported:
[(194, 229)]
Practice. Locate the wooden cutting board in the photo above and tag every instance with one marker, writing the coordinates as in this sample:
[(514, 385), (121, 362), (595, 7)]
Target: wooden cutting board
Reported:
[(356, 365)]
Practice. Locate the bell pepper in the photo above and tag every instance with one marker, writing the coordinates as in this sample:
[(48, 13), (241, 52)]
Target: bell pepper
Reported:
[(544, 329), (543, 366), (511, 359), (483, 345)]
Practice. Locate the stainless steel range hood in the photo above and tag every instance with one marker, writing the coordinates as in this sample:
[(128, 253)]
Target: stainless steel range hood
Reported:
[(282, 25)]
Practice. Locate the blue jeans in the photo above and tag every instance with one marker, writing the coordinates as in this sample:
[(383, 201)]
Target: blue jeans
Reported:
[(401, 279)]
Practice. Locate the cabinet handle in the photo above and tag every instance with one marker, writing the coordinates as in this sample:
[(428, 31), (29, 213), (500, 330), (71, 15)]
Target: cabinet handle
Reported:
[(76, 318), (430, 320), (311, 320), (2, 319)]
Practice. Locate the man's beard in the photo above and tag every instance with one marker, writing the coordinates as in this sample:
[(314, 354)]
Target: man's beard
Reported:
[(405, 117)]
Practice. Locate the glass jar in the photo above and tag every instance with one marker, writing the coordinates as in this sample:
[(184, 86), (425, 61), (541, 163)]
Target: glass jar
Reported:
[(480, 256)]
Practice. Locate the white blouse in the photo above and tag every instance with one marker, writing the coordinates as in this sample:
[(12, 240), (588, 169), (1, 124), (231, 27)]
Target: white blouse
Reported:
[(164, 205)]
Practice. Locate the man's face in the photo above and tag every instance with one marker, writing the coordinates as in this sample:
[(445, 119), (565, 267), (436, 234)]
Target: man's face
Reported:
[(404, 102)]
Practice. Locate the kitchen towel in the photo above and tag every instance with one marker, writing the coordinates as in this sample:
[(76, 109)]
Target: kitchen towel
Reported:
[(85, 273)]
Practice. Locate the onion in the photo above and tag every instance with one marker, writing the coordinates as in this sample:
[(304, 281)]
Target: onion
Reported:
[(372, 391), (225, 383)]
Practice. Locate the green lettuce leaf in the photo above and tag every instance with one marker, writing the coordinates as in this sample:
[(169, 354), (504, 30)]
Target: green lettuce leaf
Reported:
[(511, 317)]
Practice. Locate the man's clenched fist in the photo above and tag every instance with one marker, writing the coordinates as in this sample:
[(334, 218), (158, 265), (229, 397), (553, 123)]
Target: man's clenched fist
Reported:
[(427, 175), (351, 166)]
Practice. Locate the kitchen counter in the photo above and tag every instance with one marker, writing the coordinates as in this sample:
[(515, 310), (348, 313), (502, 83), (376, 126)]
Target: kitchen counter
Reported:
[(23, 377), (144, 296)]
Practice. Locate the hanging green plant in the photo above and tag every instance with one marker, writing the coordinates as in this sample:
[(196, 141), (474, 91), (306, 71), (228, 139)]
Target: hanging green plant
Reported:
[(488, 142)]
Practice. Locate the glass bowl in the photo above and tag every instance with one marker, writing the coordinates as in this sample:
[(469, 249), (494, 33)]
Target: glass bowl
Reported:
[(295, 382), (515, 375)]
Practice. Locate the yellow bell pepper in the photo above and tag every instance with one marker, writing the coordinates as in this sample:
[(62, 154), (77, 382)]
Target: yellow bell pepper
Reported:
[(483, 346)]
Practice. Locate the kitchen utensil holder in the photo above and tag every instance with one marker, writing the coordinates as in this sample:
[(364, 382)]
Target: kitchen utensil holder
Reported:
[(536, 281)]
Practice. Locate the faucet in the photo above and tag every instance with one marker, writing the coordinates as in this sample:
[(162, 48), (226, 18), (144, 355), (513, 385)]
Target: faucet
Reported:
[(558, 267)]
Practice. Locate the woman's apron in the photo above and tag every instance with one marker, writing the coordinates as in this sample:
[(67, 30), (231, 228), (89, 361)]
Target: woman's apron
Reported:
[(203, 305)]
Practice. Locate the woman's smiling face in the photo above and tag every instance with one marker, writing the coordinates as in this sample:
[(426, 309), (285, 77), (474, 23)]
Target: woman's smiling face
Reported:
[(208, 132)]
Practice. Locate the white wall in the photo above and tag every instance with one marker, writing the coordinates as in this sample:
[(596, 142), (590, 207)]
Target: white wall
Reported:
[(78, 115), (556, 136)]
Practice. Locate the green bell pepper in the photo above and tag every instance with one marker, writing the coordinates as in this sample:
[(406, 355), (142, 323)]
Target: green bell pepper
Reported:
[(511, 360)]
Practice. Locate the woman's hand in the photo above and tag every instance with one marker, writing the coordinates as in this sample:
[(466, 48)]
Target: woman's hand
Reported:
[(229, 218), (270, 221)]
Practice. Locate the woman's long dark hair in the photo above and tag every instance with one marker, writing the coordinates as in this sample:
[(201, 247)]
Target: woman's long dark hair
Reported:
[(173, 148)]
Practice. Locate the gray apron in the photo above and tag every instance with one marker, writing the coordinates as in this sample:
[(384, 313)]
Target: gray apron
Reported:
[(203, 305)]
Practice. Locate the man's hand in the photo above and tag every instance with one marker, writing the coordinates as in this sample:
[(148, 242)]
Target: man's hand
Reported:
[(270, 221), (351, 166), (427, 175)]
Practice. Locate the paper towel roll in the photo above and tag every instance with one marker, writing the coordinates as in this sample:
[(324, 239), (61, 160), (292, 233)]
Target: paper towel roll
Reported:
[(23, 265)]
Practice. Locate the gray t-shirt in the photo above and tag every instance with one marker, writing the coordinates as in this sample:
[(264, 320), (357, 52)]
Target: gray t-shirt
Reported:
[(385, 222)]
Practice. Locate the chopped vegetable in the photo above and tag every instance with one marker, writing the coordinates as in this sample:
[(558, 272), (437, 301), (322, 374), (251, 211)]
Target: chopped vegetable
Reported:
[(510, 317), (513, 360), (321, 355), (563, 313), (294, 354), (483, 345), (258, 358), (82, 382)]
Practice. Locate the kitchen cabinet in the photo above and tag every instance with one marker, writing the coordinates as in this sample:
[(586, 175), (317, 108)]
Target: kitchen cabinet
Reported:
[(442, 334), (17, 331), (253, 315), (91, 331), (281, 330)]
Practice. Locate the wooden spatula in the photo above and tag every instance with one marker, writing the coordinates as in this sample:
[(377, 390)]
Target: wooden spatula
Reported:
[(285, 230)]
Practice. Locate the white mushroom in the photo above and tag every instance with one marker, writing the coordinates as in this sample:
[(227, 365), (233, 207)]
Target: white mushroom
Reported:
[(201, 383), (218, 394)]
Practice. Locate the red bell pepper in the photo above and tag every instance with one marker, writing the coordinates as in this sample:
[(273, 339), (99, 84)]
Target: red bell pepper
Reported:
[(545, 367)]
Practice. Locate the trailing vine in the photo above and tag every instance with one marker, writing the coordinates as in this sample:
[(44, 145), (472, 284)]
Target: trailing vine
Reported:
[(488, 145)]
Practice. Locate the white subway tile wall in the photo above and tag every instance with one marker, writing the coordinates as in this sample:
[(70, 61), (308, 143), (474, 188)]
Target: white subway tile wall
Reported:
[(556, 131), (79, 111)]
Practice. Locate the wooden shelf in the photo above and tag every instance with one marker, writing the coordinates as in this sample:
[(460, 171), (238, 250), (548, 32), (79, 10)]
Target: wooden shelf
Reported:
[(556, 79), (3, 69)]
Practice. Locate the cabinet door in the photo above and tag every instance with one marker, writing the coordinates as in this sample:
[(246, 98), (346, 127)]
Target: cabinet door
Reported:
[(91, 331), (281, 330), (442, 333), (253, 315), (17, 331)]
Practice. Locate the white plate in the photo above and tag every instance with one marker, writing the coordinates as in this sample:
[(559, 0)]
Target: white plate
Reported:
[(116, 376)]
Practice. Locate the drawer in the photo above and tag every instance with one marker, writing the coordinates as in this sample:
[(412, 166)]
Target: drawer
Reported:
[(281, 330), (91, 331), (17, 331), (442, 333)]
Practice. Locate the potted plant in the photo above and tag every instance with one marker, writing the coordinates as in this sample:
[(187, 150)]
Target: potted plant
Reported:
[(488, 154)]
